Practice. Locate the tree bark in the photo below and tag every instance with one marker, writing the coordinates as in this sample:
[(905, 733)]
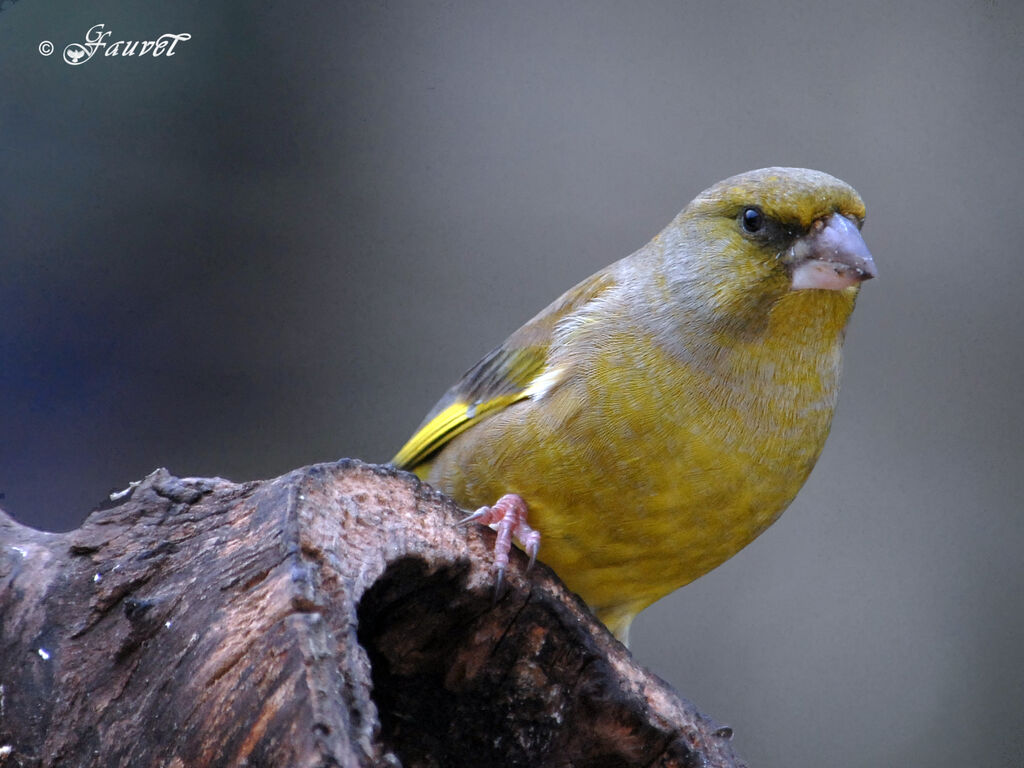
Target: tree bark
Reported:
[(334, 616)]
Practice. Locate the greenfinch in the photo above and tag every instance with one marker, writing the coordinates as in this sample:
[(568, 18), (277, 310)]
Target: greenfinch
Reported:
[(657, 417)]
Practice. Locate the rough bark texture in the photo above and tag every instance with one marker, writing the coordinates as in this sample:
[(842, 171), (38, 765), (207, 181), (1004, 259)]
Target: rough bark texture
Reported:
[(332, 616)]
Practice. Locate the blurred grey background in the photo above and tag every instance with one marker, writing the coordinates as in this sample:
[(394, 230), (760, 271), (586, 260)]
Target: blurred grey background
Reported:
[(281, 245)]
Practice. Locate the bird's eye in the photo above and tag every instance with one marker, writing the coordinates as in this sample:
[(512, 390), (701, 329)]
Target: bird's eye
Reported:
[(753, 220)]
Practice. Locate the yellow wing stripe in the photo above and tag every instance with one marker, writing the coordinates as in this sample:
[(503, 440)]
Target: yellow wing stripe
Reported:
[(451, 421)]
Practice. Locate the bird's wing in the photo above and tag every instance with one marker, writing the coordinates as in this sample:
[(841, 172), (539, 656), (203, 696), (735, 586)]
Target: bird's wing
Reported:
[(512, 372)]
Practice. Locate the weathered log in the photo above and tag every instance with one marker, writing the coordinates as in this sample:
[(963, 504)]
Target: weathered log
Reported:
[(336, 615)]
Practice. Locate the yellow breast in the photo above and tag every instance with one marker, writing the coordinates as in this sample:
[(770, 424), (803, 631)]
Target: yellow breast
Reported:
[(643, 472)]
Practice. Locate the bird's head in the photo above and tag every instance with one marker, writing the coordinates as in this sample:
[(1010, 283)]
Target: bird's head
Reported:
[(754, 237)]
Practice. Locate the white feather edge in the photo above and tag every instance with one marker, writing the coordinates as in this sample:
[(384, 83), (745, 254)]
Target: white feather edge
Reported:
[(544, 383)]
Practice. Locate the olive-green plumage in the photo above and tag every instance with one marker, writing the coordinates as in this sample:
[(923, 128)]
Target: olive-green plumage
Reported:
[(661, 414)]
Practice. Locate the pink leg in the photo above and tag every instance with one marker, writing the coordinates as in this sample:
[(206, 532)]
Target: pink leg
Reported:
[(508, 518)]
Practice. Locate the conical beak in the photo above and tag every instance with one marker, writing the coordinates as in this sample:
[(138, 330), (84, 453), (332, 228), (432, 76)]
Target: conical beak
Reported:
[(832, 256)]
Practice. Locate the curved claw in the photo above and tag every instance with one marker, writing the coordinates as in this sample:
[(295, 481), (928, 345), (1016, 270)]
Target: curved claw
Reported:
[(474, 516), (532, 546), (533, 559), (499, 585)]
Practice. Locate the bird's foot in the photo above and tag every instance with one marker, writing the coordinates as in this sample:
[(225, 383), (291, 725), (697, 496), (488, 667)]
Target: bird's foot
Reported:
[(508, 518)]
